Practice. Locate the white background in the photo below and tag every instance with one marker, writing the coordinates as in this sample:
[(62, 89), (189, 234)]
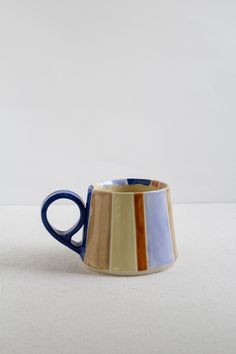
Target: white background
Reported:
[(91, 90)]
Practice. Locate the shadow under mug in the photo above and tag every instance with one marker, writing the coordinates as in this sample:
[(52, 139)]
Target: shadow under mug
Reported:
[(128, 226)]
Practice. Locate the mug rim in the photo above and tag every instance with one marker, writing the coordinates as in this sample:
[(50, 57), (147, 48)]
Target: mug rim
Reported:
[(105, 185)]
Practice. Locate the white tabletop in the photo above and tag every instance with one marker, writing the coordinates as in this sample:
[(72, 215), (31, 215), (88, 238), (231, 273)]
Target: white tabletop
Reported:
[(49, 303)]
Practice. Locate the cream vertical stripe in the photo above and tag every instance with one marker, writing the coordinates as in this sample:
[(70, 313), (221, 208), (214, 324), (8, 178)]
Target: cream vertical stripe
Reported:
[(123, 255), (168, 198)]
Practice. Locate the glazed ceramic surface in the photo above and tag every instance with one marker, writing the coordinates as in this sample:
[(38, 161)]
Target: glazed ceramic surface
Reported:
[(128, 226)]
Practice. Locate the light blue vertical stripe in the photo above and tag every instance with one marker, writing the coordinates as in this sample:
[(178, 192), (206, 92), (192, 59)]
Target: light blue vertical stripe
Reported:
[(159, 241)]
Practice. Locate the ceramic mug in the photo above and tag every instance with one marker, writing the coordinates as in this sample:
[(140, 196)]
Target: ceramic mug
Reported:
[(128, 226)]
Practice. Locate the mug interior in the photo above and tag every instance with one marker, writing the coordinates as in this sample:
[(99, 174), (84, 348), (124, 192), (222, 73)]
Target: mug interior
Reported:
[(130, 185)]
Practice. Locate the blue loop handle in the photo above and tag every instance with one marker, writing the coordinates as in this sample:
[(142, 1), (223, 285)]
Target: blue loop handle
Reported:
[(64, 236)]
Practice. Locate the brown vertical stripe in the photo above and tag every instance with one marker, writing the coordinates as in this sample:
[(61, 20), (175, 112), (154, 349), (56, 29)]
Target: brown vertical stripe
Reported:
[(140, 231), (155, 184), (171, 221), (99, 232)]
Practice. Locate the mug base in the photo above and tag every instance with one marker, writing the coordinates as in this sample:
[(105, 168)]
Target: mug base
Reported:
[(125, 273)]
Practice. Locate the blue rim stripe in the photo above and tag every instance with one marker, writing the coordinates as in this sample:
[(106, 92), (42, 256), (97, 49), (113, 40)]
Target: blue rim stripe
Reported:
[(145, 182)]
